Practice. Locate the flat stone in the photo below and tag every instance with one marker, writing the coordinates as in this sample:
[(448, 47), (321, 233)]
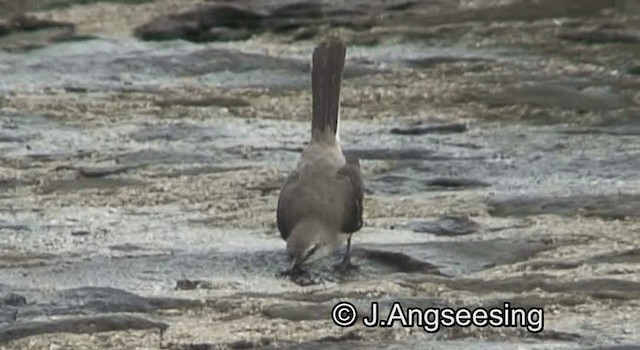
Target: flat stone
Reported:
[(617, 206), (298, 312), (421, 129), (449, 182), (630, 256), (71, 185), (212, 101), (222, 22), (600, 35), (600, 288), (446, 226), (96, 300), (400, 154), (23, 32), (549, 95), (78, 325), (97, 172), (448, 258), (628, 124)]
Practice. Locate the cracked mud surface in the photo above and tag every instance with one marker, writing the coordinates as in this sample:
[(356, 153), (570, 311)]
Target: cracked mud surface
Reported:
[(139, 179)]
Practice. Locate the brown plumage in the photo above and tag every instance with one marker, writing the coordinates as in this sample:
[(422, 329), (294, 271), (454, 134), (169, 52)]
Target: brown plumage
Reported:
[(320, 204)]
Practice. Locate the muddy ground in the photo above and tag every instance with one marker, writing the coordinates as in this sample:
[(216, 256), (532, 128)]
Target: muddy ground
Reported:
[(500, 142)]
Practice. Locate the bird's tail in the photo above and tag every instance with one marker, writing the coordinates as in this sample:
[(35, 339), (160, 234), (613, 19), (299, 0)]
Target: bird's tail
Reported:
[(326, 78)]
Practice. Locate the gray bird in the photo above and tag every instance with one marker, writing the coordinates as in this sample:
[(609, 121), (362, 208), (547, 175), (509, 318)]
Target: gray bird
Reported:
[(320, 203)]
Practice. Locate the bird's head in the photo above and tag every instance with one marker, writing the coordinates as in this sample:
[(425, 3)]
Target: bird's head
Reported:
[(306, 246)]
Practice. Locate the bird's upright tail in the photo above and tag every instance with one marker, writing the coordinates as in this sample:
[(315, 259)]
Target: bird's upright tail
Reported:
[(326, 78)]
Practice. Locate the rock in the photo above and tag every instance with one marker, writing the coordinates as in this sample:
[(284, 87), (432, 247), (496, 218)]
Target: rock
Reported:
[(630, 256), (13, 299), (223, 22), (600, 288), (446, 226), (71, 185), (297, 312), (547, 95), (168, 29), (7, 137), (450, 258), (399, 261), (78, 325), (422, 129), (186, 284), (110, 300), (616, 206), (400, 154), (436, 60), (212, 101), (80, 233), (627, 124), (455, 182), (627, 7), (200, 24), (600, 35), (97, 172), (23, 32)]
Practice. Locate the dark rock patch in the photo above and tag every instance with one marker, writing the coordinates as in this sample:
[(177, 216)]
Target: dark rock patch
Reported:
[(213, 101), (549, 95), (187, 284), (23, 32), (212, 22), (452, 258), (600, 288), (13, 299), (401, 154), (298, 312), (617, 347), (628, 124), (446, 226), (78, 325), (600, 35), (630, 256), (515, 11), (530, 301), (71, 185), (11, 138), (80, 233), (447, 182), (421, 129), (195, 171), (99, 300), (399, 261), (436, 60), (616, 206), (13, 227), (98, 172), (155, 157), (552, 265), (11, 184), (90, 301), (127, 247)]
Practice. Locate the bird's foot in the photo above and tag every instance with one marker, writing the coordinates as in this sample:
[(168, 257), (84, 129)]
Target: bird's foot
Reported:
[(298, 276), (345, 266)]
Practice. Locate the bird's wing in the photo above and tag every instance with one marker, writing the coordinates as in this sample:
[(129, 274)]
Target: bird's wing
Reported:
[(284, 215), (352, 220)]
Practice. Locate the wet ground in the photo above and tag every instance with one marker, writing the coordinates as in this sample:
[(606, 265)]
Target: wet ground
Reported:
[(139, 179)]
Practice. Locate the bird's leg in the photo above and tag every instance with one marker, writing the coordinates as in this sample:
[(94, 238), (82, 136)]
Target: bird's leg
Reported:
[(346, 264)]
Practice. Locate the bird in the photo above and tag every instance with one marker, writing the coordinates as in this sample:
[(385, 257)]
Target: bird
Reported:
[(320, 205)]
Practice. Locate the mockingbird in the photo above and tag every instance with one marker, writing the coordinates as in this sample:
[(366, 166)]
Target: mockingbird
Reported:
[(320, 203)]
